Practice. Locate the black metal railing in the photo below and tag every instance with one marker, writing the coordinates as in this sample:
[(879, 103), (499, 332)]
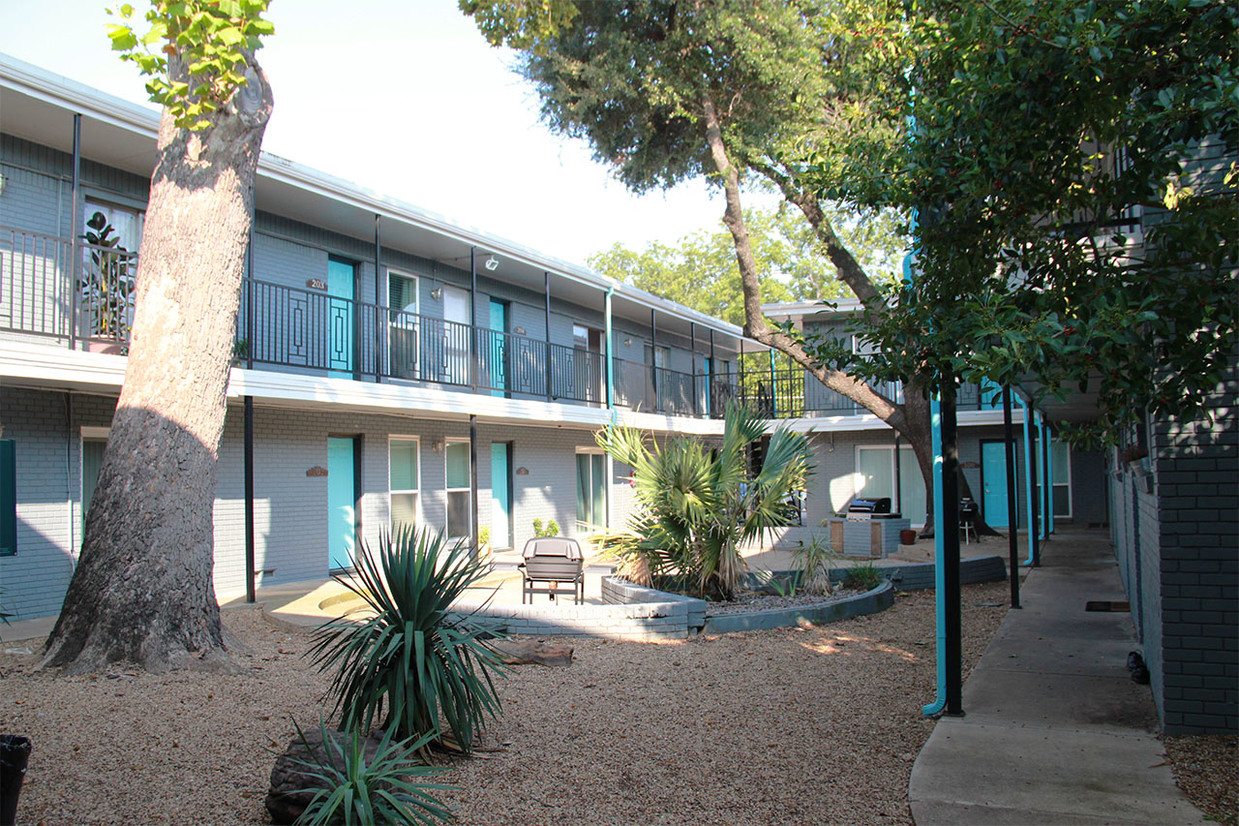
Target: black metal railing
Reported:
[(81, 293)]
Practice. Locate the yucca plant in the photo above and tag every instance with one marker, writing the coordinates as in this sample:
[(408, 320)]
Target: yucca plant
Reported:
[(412, 653), (352, 789), (700, 503), (813, 560)]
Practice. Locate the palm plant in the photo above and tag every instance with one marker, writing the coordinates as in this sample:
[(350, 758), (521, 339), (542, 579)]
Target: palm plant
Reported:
[(700, 504), (351, 789), (413, 653)]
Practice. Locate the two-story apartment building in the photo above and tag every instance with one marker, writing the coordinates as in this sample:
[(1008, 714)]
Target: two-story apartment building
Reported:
[(394, 366), (390, 365)]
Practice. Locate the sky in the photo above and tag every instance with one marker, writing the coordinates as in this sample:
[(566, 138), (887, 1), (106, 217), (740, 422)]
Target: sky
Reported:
[(407, 99)]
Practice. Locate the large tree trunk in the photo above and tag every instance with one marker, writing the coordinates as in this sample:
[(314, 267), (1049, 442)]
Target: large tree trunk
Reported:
[(142, 591)]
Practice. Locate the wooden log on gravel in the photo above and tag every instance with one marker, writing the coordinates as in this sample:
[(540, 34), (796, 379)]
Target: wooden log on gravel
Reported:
[(532, 652)]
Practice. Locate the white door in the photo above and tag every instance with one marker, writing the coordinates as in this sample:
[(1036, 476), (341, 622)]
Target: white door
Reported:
[(456, 335)]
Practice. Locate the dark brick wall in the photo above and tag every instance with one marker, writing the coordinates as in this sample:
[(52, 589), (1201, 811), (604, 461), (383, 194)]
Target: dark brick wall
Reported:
[(1197, 472)]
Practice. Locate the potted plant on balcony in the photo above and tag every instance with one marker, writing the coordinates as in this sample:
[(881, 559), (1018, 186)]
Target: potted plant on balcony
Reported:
[(108, 286)]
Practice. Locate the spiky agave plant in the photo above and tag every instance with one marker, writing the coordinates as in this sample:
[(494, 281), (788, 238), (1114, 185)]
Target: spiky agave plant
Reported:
[(386, 788), (412, 653)]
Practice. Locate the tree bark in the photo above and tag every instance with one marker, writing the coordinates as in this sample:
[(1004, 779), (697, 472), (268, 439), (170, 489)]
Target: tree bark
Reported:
[(142, 592), (911, 418)]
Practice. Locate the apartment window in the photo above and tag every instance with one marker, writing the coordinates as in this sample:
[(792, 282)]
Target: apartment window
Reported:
[(459, 492), (875, 479), (403, 481), (591, 490), (1060, 493)]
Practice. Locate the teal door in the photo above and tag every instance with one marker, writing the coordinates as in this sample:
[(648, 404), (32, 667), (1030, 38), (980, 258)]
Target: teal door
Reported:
[(341, 502), (501, 495), (339, 321), (497, 351), (994, 484), (707, 381)]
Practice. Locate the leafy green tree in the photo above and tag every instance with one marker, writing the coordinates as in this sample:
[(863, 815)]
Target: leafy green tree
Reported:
[(699, 503), (142, 590), (700, 271), (726, 90), (1074, 169)]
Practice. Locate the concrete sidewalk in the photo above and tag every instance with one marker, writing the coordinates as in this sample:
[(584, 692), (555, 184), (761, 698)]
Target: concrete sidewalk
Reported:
[(1054, 729)]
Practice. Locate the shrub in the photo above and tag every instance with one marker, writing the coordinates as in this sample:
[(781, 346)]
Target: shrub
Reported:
[(550, 529), (414, 652), (813, 561), (383, 789), (864, 577), (699, 504)]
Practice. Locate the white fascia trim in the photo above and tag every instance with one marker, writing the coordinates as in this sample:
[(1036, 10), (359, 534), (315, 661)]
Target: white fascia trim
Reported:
[(59, 90), (841, 424), (59, 366)]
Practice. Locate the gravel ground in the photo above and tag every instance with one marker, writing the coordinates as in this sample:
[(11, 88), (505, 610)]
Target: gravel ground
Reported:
[(812, 725), (1206, 767)]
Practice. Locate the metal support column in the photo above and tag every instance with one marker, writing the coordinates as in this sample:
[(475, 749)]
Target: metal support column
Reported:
[(1013, 561), (249, 500), (1034, 528), (610, 367), (75, 256), (1030, 484), (774, 404), (473, 483), (692, 361), (950, 567), (473, 292), (546, 281), (380, 318)]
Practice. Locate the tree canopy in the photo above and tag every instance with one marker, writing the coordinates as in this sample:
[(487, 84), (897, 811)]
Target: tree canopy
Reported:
[(700, 270), (1073, 170)]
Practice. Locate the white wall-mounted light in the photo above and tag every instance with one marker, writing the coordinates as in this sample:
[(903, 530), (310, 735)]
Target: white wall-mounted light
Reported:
[(436, 445), (491, 263), (3, 183), (437, 293)]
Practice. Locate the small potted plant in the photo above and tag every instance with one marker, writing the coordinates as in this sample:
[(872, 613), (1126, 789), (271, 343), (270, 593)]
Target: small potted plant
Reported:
[(108, 286)]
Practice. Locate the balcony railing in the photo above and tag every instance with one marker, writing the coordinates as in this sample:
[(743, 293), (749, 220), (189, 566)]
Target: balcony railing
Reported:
[(311, 331), (52, 286)]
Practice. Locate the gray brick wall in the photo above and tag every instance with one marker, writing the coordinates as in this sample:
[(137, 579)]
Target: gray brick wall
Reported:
[(1197, 472)]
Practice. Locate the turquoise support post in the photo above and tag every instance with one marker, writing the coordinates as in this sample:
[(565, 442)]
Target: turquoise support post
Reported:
[(1028, 474), (1049, 479), (935, 421), (610, 347), (774, 397), (1044, 475)]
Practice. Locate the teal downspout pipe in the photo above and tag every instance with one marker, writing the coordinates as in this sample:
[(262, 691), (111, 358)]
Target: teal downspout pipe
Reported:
[(1044, 475), (1028, 473), (935, 421), (609, 366), (774, 403), (1049, 479)]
